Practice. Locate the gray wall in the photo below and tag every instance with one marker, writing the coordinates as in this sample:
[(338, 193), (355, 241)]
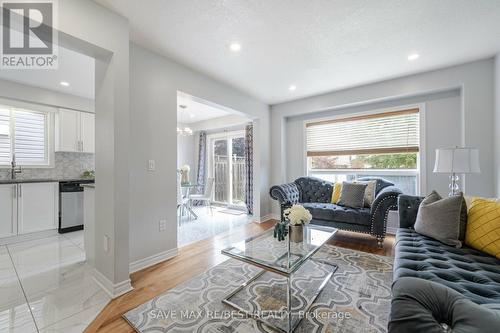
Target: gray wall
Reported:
[(497, 124), (67, 165), (474, 109), (154, 82)]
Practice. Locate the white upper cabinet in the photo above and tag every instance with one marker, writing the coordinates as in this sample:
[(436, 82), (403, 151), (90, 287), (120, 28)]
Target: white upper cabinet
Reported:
[(87, 132), (75, 131), (8, 210), (38, 207)]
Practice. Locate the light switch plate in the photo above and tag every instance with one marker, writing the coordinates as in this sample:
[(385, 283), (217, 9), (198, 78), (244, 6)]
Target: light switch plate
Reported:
[(151, 165), (163, 225)]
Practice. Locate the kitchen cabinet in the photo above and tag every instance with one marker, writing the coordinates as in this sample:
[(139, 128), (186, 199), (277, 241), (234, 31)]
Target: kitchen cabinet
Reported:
[(75, 131), (28, 207), (37, 207), (8, 210)]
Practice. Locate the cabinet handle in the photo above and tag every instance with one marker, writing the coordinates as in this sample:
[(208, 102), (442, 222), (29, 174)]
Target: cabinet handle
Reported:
[(20, 191)]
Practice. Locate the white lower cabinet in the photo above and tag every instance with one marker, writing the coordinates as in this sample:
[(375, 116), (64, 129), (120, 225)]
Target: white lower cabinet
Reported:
[(37, 207), (28, 207), (8, 210)]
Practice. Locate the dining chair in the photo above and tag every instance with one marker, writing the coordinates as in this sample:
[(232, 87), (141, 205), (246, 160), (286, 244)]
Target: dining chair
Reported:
[(206, 196)]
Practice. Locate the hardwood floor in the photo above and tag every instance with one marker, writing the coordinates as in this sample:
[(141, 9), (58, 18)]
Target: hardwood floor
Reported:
[(196, 258)]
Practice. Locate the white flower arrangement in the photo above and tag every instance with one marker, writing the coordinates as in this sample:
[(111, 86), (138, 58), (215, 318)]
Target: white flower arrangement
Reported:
[(185, 168), (297, 214)]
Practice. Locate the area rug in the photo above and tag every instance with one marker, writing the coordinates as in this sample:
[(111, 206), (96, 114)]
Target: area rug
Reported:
[(355, 299)]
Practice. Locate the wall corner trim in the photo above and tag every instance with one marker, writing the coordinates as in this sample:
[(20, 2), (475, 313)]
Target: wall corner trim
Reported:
[(152, 260), (113, 290)]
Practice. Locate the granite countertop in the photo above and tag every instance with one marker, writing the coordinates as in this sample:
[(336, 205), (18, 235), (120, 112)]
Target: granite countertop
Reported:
[(45, 180)]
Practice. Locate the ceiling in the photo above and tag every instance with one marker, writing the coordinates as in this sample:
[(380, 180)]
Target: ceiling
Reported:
[(316, 45), (75, 68), (196, 111)]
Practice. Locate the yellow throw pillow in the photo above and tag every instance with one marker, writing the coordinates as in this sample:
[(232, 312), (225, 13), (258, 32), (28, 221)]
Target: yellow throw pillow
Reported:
[(483, 226), (337, 188)]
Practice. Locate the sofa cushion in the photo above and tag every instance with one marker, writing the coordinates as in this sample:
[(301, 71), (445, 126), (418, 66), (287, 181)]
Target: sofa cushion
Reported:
[(425, 306), (441, 218), (472, 273), (381, 183), (332, 212), (352, 195)]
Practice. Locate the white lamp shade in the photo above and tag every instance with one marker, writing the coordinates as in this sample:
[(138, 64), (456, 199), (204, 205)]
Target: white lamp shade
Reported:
[(457, 160)]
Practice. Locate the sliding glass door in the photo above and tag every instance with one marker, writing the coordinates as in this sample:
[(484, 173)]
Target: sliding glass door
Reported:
[(227, 167)]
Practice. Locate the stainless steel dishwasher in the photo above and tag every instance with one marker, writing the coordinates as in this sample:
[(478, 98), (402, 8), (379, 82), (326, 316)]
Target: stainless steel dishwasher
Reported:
[(71, 205)]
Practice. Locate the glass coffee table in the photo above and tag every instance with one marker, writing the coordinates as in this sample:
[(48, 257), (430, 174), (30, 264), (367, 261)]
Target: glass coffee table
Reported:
[(281, 294)]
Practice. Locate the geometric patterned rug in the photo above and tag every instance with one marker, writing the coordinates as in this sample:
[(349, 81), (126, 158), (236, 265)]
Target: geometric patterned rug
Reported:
[(356, 298)]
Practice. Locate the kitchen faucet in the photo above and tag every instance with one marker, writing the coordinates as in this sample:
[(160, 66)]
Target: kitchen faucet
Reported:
[(14, 168)]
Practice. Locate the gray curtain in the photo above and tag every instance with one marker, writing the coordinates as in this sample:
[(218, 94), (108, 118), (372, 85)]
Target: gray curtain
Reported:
[(249, 168), (202, 165)]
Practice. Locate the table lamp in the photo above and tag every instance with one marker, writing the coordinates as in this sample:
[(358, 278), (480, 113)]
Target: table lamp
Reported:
[(456, 161)]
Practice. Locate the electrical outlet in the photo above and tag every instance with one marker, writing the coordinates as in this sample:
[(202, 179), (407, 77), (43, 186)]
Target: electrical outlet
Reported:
[(151, 165), (163, 225), (106, 243)]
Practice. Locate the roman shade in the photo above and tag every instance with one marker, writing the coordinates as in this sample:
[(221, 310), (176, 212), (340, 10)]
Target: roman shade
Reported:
[(381, 133)]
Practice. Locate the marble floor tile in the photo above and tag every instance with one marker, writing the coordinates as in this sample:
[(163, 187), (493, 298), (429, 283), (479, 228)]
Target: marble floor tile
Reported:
[(76, 323), (47, 254), (208, 224), (15, 315), (55, 288), (76, 237)]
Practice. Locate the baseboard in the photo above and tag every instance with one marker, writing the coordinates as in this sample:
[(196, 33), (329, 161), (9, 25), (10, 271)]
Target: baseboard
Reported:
[(114, 290), (267, 217), (152, 260), (28, 237)]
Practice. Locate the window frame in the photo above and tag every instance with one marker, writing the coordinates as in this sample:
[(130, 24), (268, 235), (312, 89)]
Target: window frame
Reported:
[(420, 172), (48, 138)]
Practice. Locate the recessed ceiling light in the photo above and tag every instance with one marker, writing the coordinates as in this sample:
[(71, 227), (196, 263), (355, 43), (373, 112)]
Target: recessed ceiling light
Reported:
[(235, 47), (413, 56), (64, 83), (292, 88)]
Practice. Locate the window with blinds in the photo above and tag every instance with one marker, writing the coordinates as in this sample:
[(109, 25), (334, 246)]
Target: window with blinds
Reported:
[(23, 133), (378, 141)]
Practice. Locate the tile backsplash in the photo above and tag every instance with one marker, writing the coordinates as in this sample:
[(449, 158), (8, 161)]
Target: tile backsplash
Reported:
[(66, 165)]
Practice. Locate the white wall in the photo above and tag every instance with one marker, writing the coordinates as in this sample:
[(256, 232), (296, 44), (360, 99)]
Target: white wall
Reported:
[(32, 94), (186, 152), (475, 81), (497, 124), (154, 82), (96, 31), (441, 116), (219, 123)]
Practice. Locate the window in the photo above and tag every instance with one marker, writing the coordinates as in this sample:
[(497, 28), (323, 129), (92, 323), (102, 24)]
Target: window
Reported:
[(25, 134), (382, 144)]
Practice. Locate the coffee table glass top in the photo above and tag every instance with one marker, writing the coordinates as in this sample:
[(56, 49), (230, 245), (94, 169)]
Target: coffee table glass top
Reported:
[(281, 257)]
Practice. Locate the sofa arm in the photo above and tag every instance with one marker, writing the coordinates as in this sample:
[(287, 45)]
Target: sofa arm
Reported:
[(408, 209), (286, 194), (386, 200), (420, 305)]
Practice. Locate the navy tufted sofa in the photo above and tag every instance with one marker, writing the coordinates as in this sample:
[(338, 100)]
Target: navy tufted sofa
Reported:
[(473, 275), (315, 195)]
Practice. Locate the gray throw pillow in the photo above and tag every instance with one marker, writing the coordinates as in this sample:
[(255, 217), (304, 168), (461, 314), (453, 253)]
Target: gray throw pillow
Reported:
[(352, 195), (441, 219)]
